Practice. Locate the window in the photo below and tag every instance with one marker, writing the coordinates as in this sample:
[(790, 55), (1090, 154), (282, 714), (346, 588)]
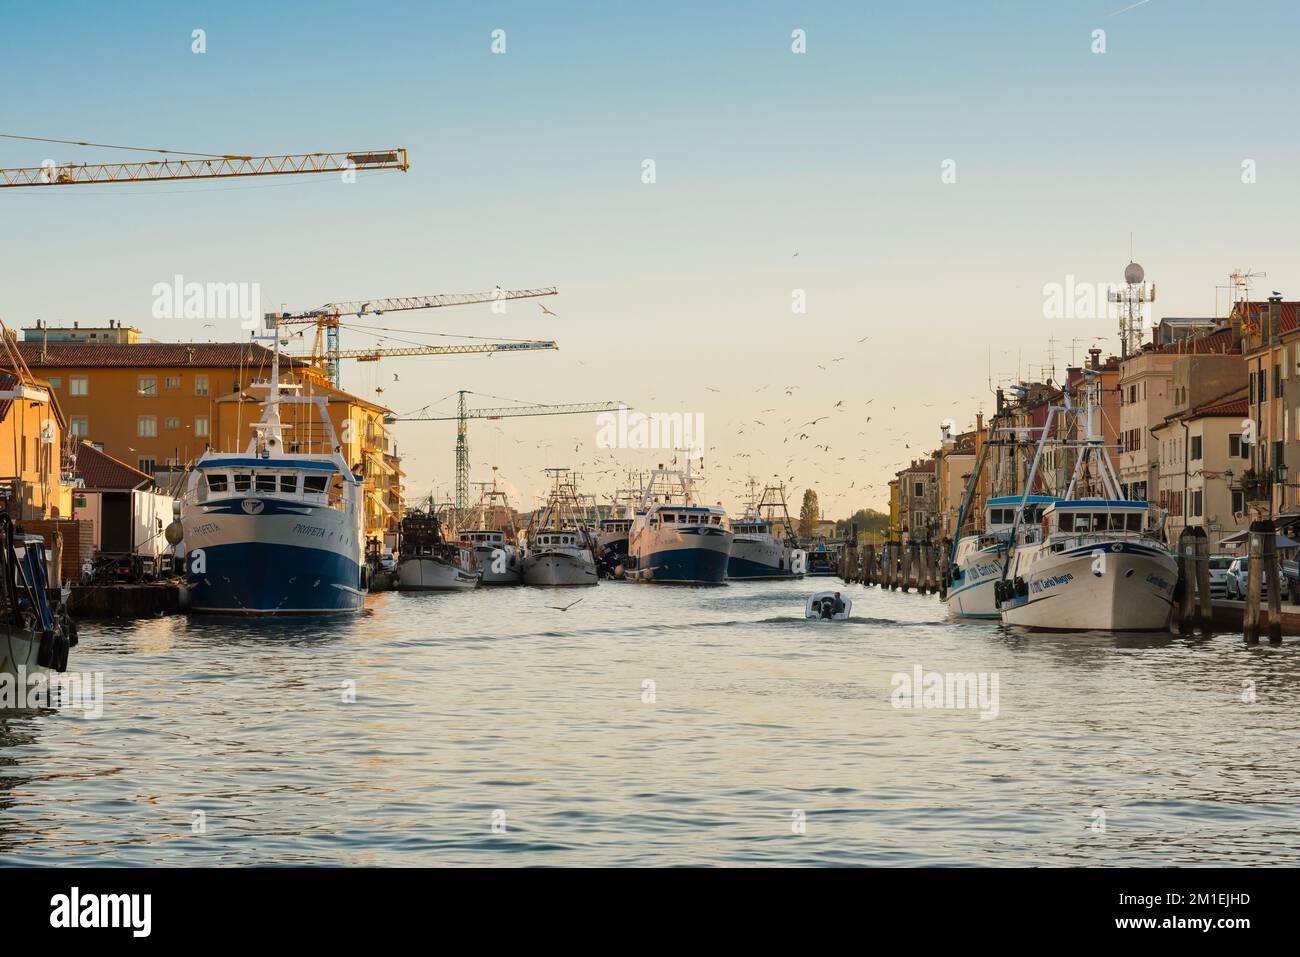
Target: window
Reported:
[(314, 483), (216, 482), (919, 490), (288, 483), (172, 382), (1134, 522), (171, 422), (146, 426), (79, 385), (1196, 503), (79, 426), (147, 385), (266, 483), (1236, 448), (1277, 382), (200, 385), (147, 465), (1238, 501), (1196, 448), (201, 426), (242, 482), (56, 382)]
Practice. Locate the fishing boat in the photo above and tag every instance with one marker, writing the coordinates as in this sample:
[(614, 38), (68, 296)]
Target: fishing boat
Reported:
[(673, 538), (1093, 563), (978, 558), (37, 631), (430, 558), (559, 548), (494, 538), (764, 544), (270, 532), (821, 560), (612, 533)]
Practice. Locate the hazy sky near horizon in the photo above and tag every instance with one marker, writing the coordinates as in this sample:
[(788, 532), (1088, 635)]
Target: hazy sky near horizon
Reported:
[(775, 172)]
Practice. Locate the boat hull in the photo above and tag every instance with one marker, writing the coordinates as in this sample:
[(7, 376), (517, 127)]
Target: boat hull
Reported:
[(285, 558), (432, 574), (559, 569), (690, 558), (751, 559), (19, 649), (1133, 592), (503, 569), (970, 595)]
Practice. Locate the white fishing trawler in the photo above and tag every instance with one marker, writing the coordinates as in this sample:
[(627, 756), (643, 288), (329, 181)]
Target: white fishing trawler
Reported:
[(978, 559), (559, 549), (764, 544), (674, 539), (1092, 564), (270, 532), (430, 557), (494, 538)]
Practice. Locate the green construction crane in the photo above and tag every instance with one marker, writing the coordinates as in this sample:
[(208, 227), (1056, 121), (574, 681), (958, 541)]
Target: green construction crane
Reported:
[(463, 415)]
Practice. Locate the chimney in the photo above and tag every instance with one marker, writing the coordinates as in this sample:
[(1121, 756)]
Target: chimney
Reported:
[(1094, 357), (1274, 318)]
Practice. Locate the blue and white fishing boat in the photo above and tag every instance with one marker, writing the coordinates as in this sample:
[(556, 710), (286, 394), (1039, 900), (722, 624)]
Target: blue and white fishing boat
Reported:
[(978, 559), (764, 543), (1092, 563), (675, 539), (270, 532)]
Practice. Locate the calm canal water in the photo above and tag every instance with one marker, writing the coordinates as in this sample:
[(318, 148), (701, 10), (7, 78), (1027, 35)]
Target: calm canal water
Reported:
[(491, 707)]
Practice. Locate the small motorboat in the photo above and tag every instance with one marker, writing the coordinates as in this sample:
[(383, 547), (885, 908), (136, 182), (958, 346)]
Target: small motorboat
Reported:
[(822, 605)]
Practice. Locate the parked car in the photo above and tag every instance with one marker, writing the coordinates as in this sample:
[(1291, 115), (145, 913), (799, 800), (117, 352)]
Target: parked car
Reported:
[(1219, 565), (1237, 574), (387, 561), (1291, 579)]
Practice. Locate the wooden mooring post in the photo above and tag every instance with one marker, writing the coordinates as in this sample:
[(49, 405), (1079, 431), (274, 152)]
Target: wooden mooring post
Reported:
[(909, 561), (1202, 567), (945, 568), (1187, 581), (869, 565), (1254, 573)]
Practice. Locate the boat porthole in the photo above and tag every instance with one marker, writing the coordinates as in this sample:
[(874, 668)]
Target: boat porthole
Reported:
[(1129, 573)]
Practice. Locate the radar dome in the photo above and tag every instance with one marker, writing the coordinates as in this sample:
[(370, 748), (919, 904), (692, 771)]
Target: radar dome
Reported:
[(1133, 274)]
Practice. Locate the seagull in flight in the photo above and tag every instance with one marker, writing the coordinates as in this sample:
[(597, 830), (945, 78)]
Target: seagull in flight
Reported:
[(566, 607), (545, 311)]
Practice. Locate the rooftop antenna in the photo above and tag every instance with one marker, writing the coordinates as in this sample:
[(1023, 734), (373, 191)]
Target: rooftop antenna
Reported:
[(1132, 300)]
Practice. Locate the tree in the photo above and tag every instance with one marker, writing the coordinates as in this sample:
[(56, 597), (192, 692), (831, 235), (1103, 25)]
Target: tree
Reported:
[(870, 522), (809, 513)]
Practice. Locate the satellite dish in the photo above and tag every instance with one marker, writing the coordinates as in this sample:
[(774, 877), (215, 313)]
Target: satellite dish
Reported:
[(1134, 274)]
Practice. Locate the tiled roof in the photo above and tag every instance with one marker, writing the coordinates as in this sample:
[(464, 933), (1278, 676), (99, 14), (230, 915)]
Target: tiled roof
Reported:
[(1218, 342), (1236, 405), (100, 470), (323, 389), (1259, 310), (148, 354)]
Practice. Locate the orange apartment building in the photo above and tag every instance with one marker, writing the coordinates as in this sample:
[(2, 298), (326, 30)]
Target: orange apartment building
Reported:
[(32, 427), (161, 405)]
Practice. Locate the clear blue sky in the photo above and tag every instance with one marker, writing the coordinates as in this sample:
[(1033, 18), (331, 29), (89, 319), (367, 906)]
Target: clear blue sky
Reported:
[(526, 171)]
